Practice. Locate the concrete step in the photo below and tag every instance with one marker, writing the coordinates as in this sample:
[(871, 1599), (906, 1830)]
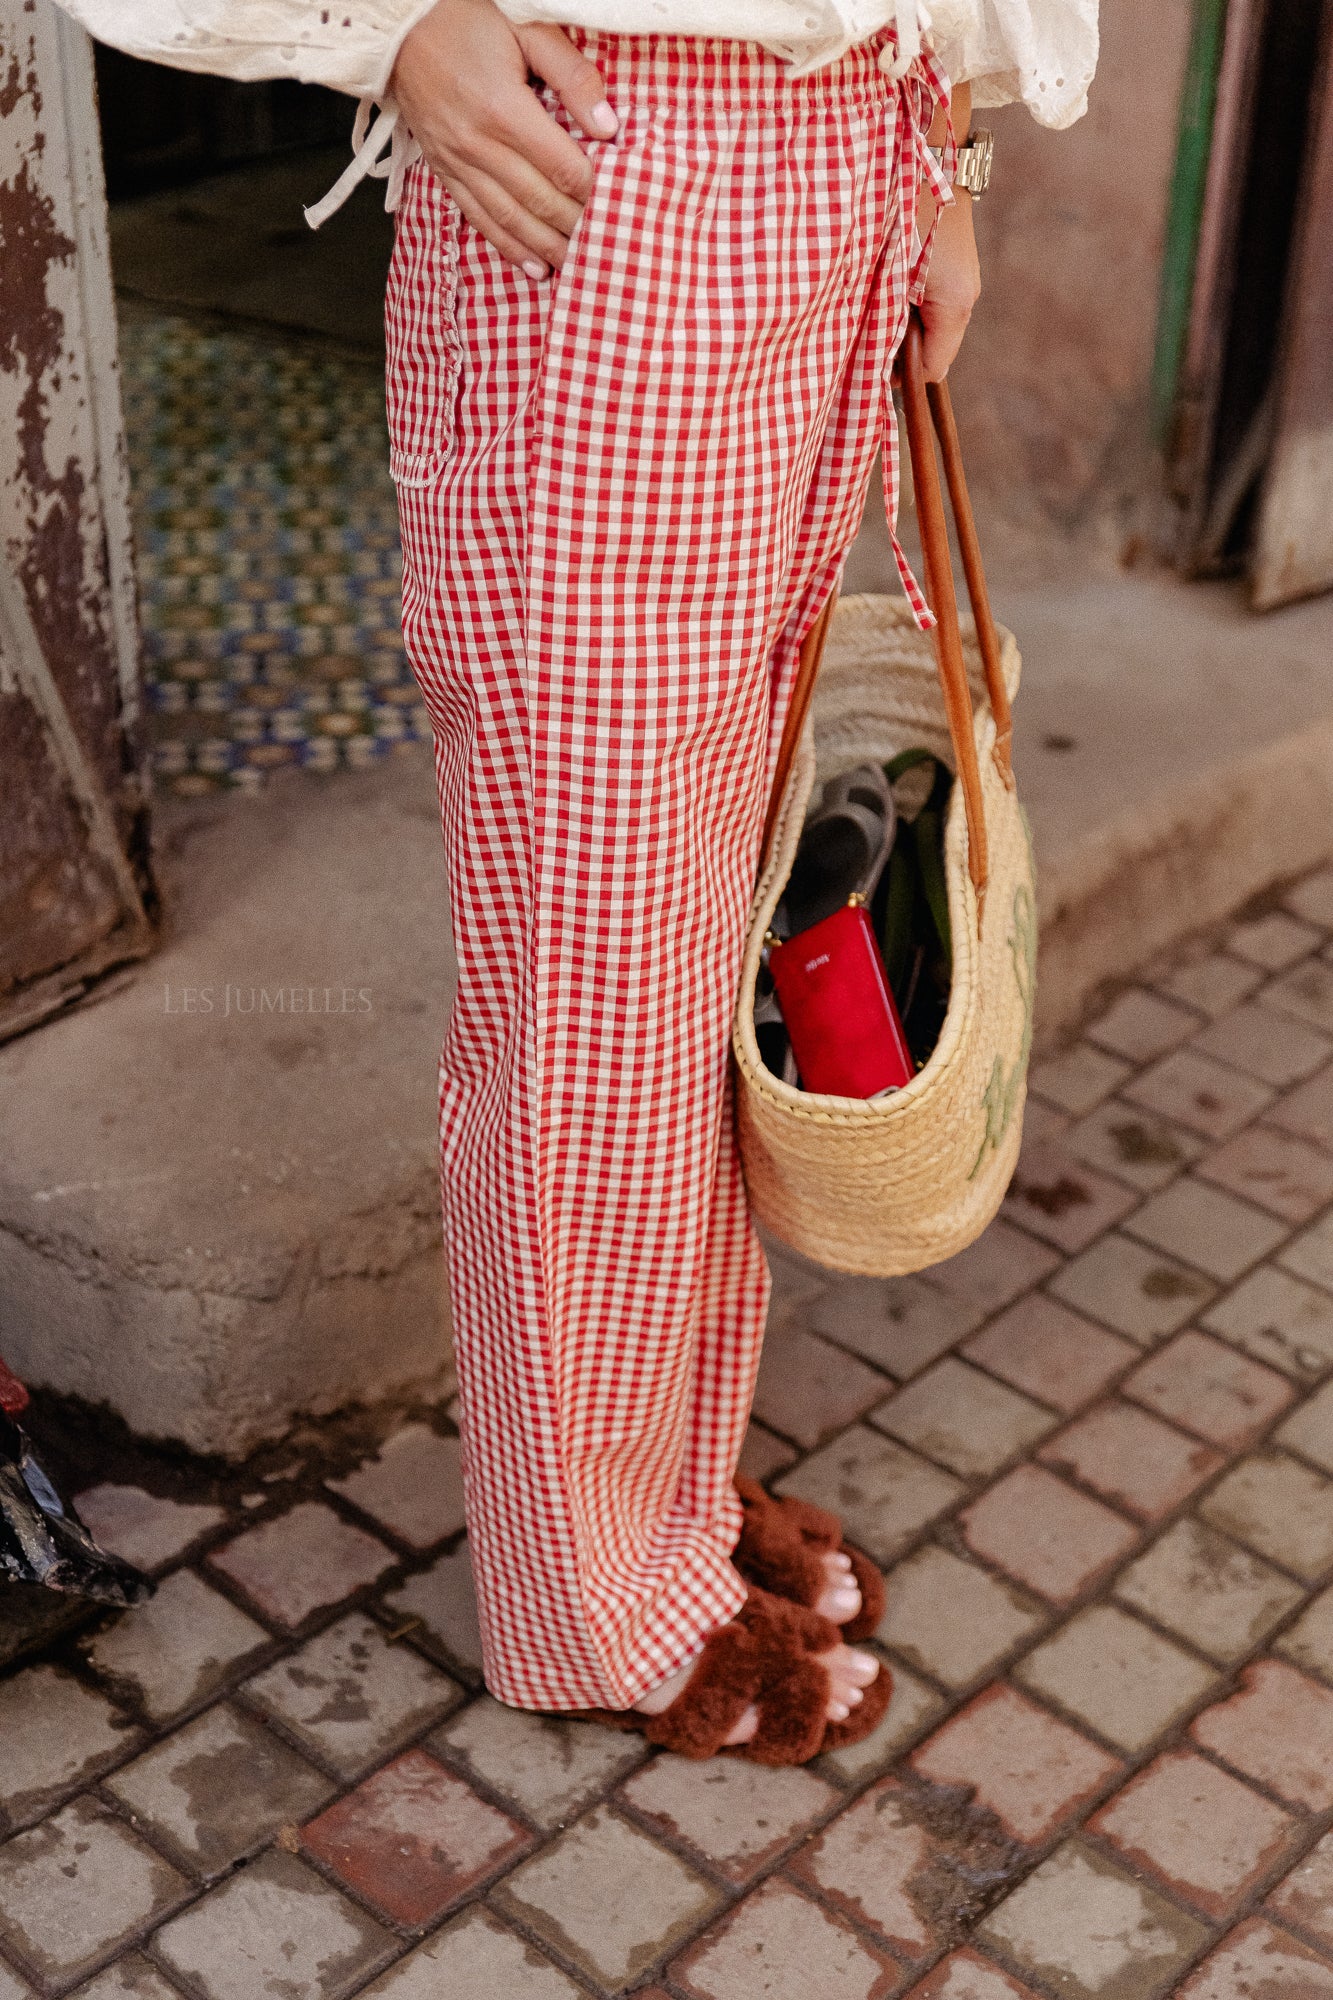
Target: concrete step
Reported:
[(218, 1202)]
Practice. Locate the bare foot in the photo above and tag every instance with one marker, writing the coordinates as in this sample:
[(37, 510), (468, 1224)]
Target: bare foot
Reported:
[(850, 1673), (840, 1599)]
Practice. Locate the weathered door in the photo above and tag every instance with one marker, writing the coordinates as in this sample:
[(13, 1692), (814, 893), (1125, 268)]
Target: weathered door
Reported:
[(1293, 546), (76, 893)]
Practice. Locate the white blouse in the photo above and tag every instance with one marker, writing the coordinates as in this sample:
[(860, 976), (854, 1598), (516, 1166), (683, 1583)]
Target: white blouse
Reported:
[(1041, 53)]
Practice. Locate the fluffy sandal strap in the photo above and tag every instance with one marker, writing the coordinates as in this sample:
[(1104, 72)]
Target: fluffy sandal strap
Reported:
[(781, 1549), (765, 1658)]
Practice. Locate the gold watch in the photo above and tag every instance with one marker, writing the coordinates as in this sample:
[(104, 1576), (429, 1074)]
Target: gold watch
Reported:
[(974, 162)]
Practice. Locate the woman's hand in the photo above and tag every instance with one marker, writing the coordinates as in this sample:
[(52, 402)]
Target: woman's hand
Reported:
[(953, 282), (953, 286), (461, 80)]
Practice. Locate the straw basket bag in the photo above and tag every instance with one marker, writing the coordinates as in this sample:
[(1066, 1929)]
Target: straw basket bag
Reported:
[(895, 1183)]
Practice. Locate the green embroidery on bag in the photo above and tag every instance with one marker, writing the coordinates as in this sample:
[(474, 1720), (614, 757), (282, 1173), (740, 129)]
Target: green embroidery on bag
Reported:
[(1000, 1098)]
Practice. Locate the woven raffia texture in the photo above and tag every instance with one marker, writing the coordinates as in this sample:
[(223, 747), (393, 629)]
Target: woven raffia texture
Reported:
[(900, 1182)]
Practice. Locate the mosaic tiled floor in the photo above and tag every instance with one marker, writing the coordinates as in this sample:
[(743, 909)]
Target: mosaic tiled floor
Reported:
[(268, 555), (1094, 1454)]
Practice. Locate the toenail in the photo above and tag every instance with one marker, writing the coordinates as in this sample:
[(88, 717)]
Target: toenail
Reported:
[(839, 1711), (855, 1694)]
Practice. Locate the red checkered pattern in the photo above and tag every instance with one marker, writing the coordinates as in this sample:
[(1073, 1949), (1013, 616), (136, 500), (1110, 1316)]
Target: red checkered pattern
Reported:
[(626, 493)]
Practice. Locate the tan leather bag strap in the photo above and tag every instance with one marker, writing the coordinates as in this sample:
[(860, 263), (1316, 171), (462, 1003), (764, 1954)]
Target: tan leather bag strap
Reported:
[(923, 403)]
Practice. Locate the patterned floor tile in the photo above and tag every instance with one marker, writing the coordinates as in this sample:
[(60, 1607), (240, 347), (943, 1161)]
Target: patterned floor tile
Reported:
[(1141, 1026), (962, 1419), (808, 1388), (1219, 1597), (1309, 1642), (141, 1527), (1133, 1458), (1280, 1320), (1206, 1387), (953, 1619), (1277, 1730), (736, 1815), (1207, 1227), (1213, 985), (413, 1486), (1131, 1289), (474, 1955), (1258, 1959), (899, 1324), (1274, 1504), (55, 1734), (547, 1767), (1305, 1896), (1273, 941), (171, 1652), (1132, 1146), (884, 1494), (443, 1601), (1047, 1535), (1031, 1770), (1205, 1096), (1050, 1352), (1063, 1200), (1079, 1078), (1288, 1176), (303, 1560)]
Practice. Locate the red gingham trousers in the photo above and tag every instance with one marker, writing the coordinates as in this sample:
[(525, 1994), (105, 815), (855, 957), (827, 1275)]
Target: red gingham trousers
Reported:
[(625, 494)]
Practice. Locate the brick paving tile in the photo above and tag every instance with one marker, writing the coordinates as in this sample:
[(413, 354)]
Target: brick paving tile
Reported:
[(736, 1815), (1207, 1227), (1091, 1931), (951, 1619), (1278, 1730), (1307, 1111), (1193, 1090), (128, 1979), (797, 1283), (1079, 1078), (1206, 1835), (474, 1956), (1133, 1458), (1305, 994), (444, 1598), (1053, 1353), (1265, 1045), (12, 1988), (1279, 1507), (413, 1486), (174, 1650), (301, 1561), (608, 1899), (1052, 1538), (350, 1696), (1259, 1962), (808, 1388), (548, 1767), (75, 1887), (763, 1455), (1309, 1429), (1002, 1264), (1309, 1642), (274, 1931), (1030, 1769), (1280, 1320), (884, 1493), (1132, 1146), (1305, 1896), (777, 1945), (1206, 1387), (218, 1786), (140, 1527), (1312, 899), (1063, 1200), (1214, 984), (1284, 1174), (413, 1838), (912, 1707), (966, 1975), (1042, 1121), (1221, 1598), (1310, 1255), (1141, 1025), (1132, 1289), (55, 1733), (1122, 1679), (905, 1861), (901, 1324), (967, 1421), (1273, 941)]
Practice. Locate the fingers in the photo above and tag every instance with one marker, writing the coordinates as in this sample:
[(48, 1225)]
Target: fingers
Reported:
[(943, 328), (953, 286), (575, 81)]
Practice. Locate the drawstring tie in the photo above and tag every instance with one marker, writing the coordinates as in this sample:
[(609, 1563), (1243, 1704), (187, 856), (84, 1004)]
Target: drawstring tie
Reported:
[(368, 162)]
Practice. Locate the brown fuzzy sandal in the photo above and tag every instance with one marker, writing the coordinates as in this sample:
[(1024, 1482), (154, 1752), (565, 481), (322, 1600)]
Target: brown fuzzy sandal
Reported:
[(781, 1546), (765, 1659)]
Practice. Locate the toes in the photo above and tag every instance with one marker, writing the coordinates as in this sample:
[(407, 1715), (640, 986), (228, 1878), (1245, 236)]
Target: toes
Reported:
[(862, 1668), (746, 1729)]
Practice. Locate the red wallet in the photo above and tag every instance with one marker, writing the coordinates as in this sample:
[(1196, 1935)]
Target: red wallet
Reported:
[(838, 1008)]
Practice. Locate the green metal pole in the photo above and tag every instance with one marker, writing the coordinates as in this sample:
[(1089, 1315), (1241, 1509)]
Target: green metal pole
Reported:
[(1185, 214)]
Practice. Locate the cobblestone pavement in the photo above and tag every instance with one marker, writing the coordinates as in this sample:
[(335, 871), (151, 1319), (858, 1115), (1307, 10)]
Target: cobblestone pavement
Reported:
[(1094, 1454)]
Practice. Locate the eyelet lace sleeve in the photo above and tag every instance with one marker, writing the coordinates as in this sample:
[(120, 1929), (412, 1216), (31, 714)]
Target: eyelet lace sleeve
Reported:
[(1041, 53)]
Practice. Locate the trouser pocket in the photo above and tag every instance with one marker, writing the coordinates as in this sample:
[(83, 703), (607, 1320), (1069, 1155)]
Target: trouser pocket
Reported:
[(423, 353)]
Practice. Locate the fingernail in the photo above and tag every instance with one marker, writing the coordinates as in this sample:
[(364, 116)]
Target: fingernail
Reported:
[(604, 118), (533, 268)]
